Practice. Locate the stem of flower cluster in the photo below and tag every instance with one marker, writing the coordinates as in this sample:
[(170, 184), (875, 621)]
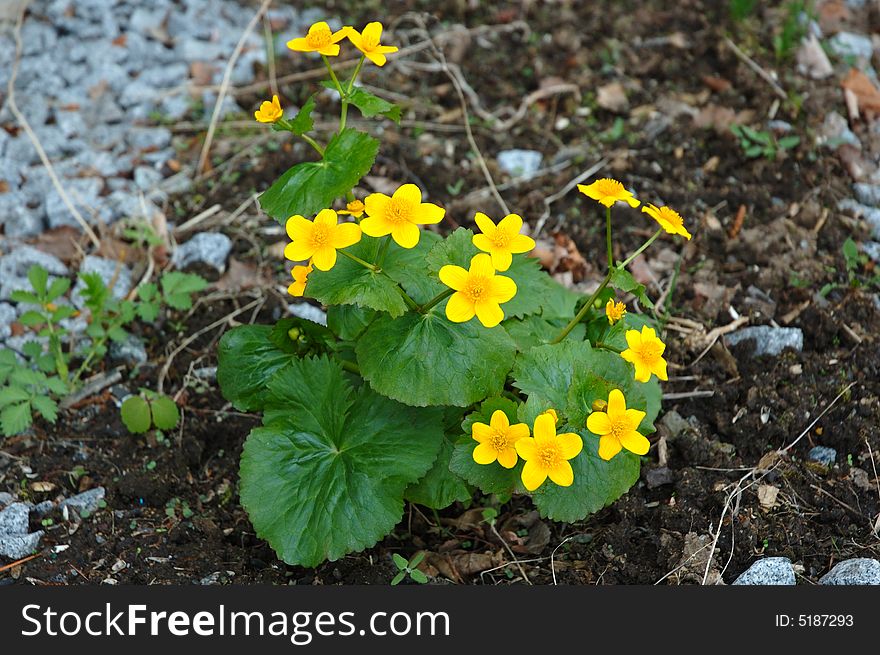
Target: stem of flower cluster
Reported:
[(342, 94), (313, 143), (602, 344), (351, 367), (360, 261), (642, 249), (440, 297), (608, 237), (580, 315), (357, 72)]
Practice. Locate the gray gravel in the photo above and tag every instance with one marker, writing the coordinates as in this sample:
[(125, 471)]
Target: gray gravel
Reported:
[(768, 571), (823, 455), (15, 541), (859, 571), (88, 501), (519, 163), (768, 340), (209, 249)]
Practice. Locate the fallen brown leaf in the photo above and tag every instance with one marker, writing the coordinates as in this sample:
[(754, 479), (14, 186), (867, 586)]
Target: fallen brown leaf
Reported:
[(612, 97), (867, 95)]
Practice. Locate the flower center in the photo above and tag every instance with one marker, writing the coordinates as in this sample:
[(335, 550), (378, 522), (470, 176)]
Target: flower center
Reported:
[(671, 216), (318, 37), (549, 456), (650, 351), (369, 42), (609, 187), (499, 440), (355, 206), (501, 239), (619, 427), (477, 287), (399, 211), (320, 236)]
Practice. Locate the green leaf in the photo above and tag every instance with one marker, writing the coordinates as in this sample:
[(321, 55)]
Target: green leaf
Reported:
[(31, 318), (349, 283), (39, 278), (247, 358), (32, 349), (754, 151), (369, 104), (397, 579), (407, 266), (177, 288), (62, 312), (789, 142), (399, 561), (116, 333), (8, 363), (535, 330), (24, 297), (47, 407), (301, 337), (302, 122), (456, 249), (490, 478), (597, 483), (56, 385), (558, 301), (148, 311), (418, 576), (545, 373), (615, 335), (59, 287), (440, 487), (136, 414), (15, 418), (326, 477), (95, 294), (11, 394), (623, 280), (165, 413), (310, 187), (348, 322), (424, 359)]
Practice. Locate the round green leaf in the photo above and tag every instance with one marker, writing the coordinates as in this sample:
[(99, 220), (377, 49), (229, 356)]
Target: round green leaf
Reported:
[(136, 414), (424, 359), (165, 413), (545, 373), (326, 476), (440, 487), (247, 358)]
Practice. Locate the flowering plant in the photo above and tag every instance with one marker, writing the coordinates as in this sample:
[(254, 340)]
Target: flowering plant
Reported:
[(447, 365)]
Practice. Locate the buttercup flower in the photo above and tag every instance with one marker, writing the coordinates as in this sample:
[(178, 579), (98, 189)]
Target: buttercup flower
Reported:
[(300, 276), (617, 427), (319, 39), (400, 215), (368, 43), (354, 208), (607, 192), (477, 291), (270, 111), (614, 311), (502, 241), (319, 239), (552, 412), (497, 440), (646, 353), (547, 454), (669, 219)]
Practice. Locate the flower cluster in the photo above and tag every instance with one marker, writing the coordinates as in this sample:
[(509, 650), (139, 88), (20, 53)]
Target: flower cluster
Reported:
[(321, 39)]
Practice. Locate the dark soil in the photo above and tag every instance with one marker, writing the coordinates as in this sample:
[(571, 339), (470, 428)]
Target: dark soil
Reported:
[(769, 268)]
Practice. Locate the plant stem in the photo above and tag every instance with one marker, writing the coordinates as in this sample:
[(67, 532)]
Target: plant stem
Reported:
[(412, 304), (360, 261), (351, 367), (313, 143), (602, 344), (55, 346), (608, 237), (383, 249), (580, 315), (342, 94), (356, 73), (440, 297), (638, 252)]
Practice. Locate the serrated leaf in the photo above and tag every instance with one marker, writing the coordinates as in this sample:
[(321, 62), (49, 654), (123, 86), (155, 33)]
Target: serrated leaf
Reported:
[(13, 394), (623, 280), (545, 373), (424, 359), (439, 487), (46, 363), (177, 288), (369, 105), (56, 385), (135, 413), (47, 407), (59, 287), (31, 318), (302, 122), (535, 330), (15, 418), (408, 267), (348, 322), (489, 478), (597, 483), (62, 312), (247, 358), (165, 413), (32, 349), (39, 278), (326, 476), (148, 311), (116, 333), (95, 293), (349, 283), (558, 301), (22, 296), (310, 187)]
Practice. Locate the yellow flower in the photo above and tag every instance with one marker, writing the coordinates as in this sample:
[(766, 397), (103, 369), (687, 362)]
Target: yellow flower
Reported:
[(400, 215), (319, 39), (270, 111), (646, 353), (607, 191), (300, 276), (614, 311), (496, 440), (547, 454), (617, 428), (354, 208), (669, 219), (368, 43), (477, 291), (502, 241), (319, 239), (552, 412)]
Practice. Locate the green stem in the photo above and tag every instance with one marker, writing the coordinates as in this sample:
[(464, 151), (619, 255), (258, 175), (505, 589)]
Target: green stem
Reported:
[(343, 96), (356, 73), (55, 346), (440, 297), (351, 367), (383, 249), (638, 252), (580, 315), (602, 344), (608, 237), (313, 143), (360, 261)]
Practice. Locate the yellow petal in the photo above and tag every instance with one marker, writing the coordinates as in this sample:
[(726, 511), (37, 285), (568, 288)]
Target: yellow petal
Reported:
[(428, 214), (511, 223), (499, 420), (481, 265), (571, 444), (633, 202), (373, 32), (643, 372), (376, 226), (533, 476), (483, 242), (324, 258), (340, 34), (376, 57), (454, 277), (518, 431), (608, 447), (298, 228), (485, 454), (648, 333), (562, 474), (484, 223), (408, 193), (598, 423), (521, 243), (406, 235), (659, 369), (489, 313), (346, 234), (525, 447), (635, 443), (299, 44), (633, 339), (503, 288), (387, 49), (616, 403), (480, 432), (376, 204), (635, 417), (545, 427), (629, 355), (326, 217), (459, 308), (507, 458), (355, 38), (330, 50), (298, 251), (296, 289), (501, 260)]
